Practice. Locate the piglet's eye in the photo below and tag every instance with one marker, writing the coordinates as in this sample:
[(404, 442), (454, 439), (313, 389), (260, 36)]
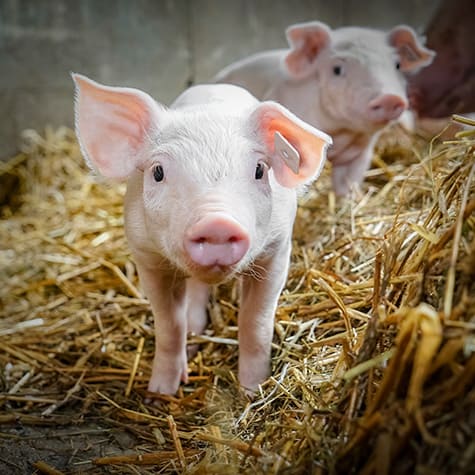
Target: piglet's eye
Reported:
[(398, 65), (337, 70), (158, 174), (259, 171)]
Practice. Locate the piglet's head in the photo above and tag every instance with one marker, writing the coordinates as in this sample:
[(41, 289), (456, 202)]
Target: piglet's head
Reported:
[(360, 71), (208, 175), (114, 126)]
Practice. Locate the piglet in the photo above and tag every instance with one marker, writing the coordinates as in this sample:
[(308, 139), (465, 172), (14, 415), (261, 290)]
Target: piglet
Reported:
[(211, 194), (349, 82)]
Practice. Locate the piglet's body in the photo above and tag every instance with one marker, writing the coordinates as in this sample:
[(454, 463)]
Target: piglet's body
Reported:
[(211, 195), (348, 82)]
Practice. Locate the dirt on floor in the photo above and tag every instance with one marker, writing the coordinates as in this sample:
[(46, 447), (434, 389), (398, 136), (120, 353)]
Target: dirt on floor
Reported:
[(26, 449)]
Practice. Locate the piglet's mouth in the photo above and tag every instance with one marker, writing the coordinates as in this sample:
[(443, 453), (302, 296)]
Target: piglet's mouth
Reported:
[(381, 122), (212, 274)]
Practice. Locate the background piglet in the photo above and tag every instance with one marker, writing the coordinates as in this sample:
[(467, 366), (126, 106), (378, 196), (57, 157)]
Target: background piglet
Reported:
[(349, 82), (211, 194)]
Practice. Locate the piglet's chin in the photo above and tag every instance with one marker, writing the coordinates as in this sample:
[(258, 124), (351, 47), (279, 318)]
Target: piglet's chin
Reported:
[(378, 123), (214, 274)]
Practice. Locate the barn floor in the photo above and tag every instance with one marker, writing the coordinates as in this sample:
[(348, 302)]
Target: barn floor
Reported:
[(373, 357)]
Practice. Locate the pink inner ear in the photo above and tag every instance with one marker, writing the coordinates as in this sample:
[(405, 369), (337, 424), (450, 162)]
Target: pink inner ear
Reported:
[(112, 125), (310, 147)]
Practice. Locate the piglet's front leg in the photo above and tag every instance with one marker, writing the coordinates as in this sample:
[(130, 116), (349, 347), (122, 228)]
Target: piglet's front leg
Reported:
[(166, 293), (260, 295), (197, 295), (348, 173)]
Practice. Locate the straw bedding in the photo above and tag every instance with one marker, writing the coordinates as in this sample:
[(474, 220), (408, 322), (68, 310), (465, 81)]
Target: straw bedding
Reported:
[(374, 350)]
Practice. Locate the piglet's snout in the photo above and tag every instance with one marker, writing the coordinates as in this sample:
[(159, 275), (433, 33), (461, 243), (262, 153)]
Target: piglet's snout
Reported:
[(216, 240), (386, 107)]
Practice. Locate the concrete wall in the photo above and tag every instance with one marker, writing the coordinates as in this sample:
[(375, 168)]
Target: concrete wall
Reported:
[(160, 46)]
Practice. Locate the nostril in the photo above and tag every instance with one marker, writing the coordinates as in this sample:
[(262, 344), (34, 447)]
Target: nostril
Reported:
[(396, 105), (214, 239)]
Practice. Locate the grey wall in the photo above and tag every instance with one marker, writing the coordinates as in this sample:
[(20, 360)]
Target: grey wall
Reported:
[(157, 45)]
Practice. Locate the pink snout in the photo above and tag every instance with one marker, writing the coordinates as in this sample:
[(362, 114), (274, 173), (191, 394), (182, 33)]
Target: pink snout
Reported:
[(216, 240), (386, 108)]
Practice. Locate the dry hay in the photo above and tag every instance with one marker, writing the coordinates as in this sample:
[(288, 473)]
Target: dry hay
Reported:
[(373, 355)]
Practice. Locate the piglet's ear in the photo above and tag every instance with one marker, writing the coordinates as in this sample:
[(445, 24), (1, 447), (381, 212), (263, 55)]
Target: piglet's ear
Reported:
[(413, 55), (306, 40), (113, 126), (296, 149)]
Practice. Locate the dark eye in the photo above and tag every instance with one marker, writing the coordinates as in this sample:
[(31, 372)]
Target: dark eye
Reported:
[(158, 173), (337, 70), (398, 65), (259, 171)]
